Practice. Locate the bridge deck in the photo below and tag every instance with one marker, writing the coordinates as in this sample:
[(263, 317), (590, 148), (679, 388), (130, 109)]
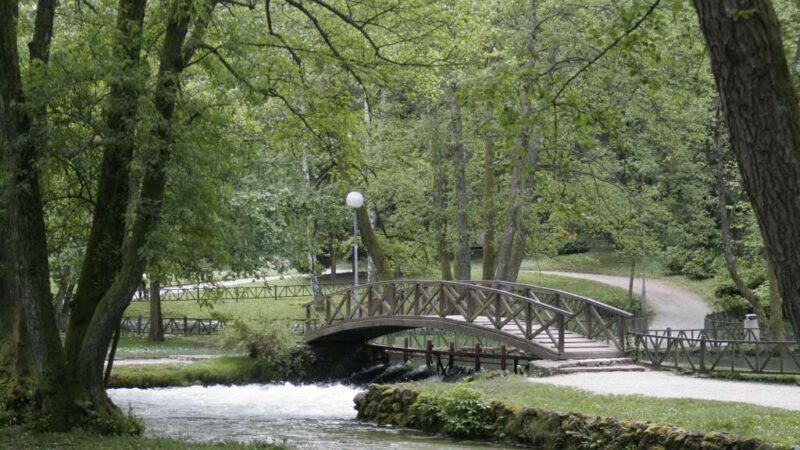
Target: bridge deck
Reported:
[(576, 346)]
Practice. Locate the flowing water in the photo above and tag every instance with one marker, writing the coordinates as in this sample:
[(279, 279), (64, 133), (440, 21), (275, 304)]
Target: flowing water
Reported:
[(298, 416)]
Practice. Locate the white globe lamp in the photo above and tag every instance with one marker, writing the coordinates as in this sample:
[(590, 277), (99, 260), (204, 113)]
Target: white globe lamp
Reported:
[(354, 199)]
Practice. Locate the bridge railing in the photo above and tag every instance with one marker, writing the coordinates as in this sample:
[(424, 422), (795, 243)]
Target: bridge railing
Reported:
[(525, 316), (587, 316)]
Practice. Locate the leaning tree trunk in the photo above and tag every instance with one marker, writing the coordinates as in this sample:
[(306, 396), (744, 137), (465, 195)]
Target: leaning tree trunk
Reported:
[(462, 267), (103, 257), (109, 311), (373, 244), (763, 115)]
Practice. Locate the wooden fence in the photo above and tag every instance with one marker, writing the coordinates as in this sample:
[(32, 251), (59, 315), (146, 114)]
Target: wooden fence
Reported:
[(172, 325), (236, 293), (701, 351)]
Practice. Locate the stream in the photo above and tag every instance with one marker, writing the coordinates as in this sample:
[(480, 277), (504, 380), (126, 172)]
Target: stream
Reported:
[(297, 416)]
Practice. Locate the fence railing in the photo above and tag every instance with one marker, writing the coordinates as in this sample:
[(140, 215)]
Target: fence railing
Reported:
[(695, 350), (172, 325), (236, 293)]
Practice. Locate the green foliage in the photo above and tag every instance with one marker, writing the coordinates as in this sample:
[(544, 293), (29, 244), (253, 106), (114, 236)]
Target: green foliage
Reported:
[(464, 413), (460, 412)]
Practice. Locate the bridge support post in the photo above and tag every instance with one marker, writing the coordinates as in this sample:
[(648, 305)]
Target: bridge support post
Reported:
[(405, 350), (623, 335), (589, 332), (477, 358), (502, 357), (560, 324)]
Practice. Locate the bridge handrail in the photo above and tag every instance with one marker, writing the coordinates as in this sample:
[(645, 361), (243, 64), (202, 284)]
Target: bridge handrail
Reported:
[(593, 302), (449, 283)]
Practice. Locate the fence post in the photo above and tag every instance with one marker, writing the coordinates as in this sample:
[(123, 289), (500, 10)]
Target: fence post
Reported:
[(405, 349), (139, 325), (451, 356), (185, 325), (702, 353), (502, 357), (477, 358), (623, 336), (560, 324), (429, 353)]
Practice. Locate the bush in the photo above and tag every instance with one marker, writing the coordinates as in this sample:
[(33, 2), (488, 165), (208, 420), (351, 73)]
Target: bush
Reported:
[(697, 264), (459, 412)]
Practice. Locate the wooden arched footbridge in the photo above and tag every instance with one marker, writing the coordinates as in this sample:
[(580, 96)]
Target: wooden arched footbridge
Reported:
[(543, 322)]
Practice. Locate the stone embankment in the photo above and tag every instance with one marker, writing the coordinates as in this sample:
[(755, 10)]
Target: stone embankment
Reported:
[(466, 415)]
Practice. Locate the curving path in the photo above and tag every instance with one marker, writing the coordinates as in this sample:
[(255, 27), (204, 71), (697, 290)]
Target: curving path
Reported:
[(673, 306)]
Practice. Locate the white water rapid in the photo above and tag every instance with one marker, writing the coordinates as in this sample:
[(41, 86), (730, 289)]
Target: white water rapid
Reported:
[(298, 416)]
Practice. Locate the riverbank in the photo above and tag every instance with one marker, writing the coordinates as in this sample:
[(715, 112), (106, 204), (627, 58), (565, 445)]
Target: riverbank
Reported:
[(556, 417), (20, 439)]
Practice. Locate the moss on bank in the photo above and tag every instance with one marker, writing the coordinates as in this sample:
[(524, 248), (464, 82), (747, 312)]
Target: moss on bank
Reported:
[(517, 410), (19, 439), (768, 424)]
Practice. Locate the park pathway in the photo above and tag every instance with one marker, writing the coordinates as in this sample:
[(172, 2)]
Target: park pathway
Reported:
[(673, 306), (669, 385)]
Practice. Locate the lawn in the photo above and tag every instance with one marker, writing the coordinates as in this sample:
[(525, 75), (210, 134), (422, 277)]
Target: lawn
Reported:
[(768, 424)]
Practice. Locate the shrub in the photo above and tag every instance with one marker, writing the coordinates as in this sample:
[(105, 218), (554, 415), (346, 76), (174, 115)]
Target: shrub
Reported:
[(465, 414)]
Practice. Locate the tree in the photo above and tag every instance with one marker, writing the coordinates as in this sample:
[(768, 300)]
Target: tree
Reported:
[(763, 117)]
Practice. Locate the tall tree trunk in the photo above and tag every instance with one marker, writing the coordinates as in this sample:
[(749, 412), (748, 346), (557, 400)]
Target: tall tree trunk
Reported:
[(507, 267), (440, 206), (23, 139), (108, 312), (763, 116), (488, 209), (462, 257), (373, 245), (316, 291), (156, 333), (332, 247), (103, 258)]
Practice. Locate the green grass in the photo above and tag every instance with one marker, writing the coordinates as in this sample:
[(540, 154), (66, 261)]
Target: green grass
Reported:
[(592, 289), (249, 311), (222, 370), (19, 439), (140, 347), (768, 424), (601, 260)]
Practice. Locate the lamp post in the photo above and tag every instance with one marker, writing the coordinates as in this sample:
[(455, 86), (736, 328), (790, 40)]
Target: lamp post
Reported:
[(354, 200)]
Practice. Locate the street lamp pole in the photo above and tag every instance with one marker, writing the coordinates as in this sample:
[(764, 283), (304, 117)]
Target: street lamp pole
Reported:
[(355, 200)]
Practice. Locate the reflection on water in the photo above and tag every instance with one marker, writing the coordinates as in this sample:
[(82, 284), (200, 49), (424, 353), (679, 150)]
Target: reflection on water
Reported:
[(303, 417)]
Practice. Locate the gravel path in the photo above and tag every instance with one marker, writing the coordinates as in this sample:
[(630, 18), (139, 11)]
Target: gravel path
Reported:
[(673, 306), (670, 385)]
